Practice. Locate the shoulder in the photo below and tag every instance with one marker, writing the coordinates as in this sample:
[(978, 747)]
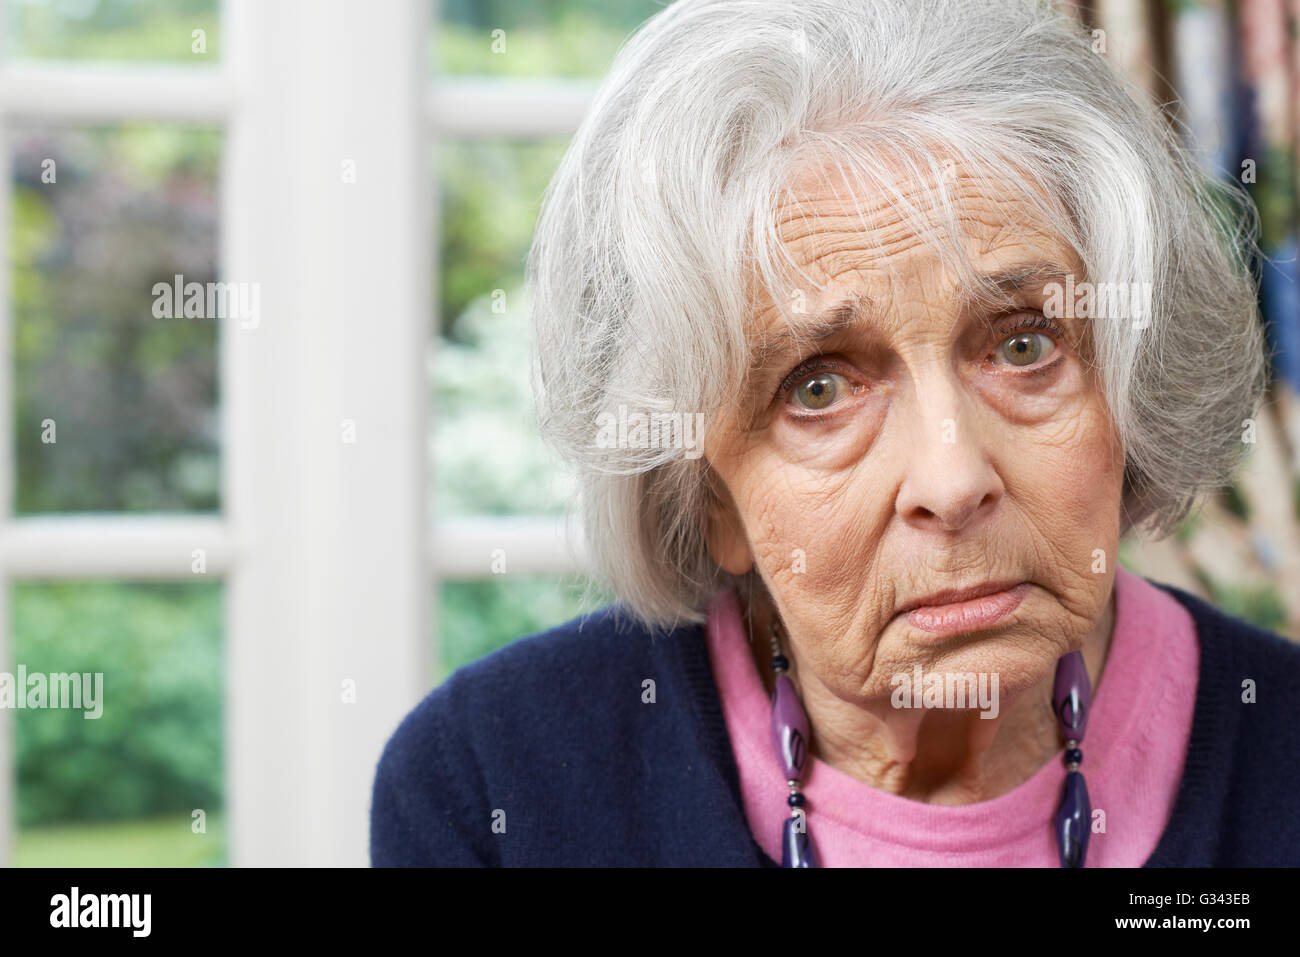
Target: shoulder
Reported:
[(497, 739), (1240, 802), (1228, 638), (541, 684), (1248, 686), (598, 646)]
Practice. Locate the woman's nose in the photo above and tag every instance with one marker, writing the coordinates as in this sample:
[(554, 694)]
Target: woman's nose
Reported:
[(949, 480)]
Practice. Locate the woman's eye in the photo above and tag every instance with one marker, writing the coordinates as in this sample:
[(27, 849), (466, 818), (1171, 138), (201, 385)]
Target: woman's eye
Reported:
[(821, 390), (1026, 348)]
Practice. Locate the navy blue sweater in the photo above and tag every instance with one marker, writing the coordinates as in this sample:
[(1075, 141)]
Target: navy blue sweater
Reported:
[(547, 753)]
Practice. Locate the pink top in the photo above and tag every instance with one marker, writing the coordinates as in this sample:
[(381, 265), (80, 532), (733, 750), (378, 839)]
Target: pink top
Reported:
[(1134, 748)]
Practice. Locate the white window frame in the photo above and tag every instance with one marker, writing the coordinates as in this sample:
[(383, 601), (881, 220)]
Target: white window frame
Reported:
[(324, 548)]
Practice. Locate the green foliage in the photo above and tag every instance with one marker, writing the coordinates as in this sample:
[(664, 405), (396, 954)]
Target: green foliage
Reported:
[(156, 842), (1186, 529), (158, 746), (132, 397), (488, 458), (1275, 196), (479, 617), (1235, 502), (155, 30), (491, 192), (560, 38), (1125, 556), (1258, 604)]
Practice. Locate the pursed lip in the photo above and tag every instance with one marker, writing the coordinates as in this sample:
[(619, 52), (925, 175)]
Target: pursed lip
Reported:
[(951, 596)]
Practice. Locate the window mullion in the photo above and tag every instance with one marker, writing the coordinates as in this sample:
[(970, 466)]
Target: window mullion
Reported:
[(325, 188)]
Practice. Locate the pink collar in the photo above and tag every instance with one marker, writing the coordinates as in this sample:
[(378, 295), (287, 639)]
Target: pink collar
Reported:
[(1136, 743)]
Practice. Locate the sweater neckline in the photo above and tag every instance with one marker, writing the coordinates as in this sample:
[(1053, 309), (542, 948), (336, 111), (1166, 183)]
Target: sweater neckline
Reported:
[(1205, 768)]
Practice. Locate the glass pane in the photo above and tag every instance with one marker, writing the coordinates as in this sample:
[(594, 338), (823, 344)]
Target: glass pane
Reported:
[(159, 30), (569, 38), (122, 788), (477, 617), (114, 408), (487, 456)]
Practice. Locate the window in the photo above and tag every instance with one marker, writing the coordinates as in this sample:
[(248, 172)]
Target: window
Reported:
[(134, 777), (271, 522), (511, 82), (240, 496)]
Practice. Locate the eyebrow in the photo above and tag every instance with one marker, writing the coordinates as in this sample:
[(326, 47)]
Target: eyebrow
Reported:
[(1020, 276), (989, 289), (821, 327)]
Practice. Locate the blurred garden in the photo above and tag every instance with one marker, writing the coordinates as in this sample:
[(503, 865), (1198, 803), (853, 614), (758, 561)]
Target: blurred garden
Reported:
[(97, 216)]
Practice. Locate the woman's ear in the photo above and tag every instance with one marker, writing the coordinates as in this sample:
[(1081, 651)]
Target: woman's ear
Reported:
[(725, 535)]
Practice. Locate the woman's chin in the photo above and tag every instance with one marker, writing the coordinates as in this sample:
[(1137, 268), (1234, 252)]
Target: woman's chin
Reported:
[(1016, 654)]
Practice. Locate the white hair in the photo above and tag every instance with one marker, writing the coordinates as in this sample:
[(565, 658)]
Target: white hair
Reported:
[(660, 220)]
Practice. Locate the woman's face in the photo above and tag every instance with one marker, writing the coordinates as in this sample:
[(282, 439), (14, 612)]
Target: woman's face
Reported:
[(922, 446)]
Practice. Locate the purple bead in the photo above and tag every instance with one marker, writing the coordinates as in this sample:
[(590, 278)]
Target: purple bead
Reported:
[(796, 847), (1073, 820), (1071, 695), (789, 729)]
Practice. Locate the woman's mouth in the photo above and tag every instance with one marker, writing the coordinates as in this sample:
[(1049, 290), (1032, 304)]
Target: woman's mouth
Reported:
[(942, 615)]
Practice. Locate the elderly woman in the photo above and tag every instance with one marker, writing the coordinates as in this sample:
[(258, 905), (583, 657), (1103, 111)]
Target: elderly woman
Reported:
[(956, 312)]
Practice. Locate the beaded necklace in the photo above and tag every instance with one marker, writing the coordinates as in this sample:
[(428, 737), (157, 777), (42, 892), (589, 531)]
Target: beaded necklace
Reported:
[(1071, 694)]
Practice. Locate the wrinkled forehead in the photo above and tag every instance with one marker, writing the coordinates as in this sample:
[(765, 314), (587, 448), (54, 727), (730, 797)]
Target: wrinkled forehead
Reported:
[(962, 230)]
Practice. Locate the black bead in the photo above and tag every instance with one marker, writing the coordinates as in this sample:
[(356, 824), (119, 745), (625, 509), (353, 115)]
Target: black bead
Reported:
[(795, 800), (779, 663), (1073, 756), (1071, 821)]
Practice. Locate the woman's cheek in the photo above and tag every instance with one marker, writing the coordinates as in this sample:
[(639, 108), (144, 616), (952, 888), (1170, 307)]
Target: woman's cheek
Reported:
[(1024, 398), (838, 439), (803, 526)]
